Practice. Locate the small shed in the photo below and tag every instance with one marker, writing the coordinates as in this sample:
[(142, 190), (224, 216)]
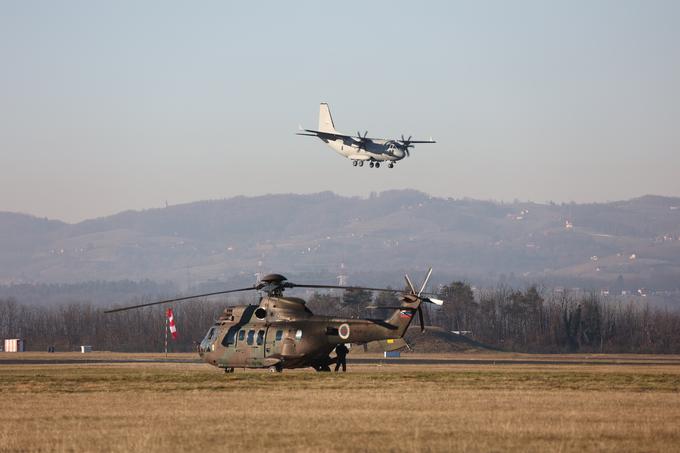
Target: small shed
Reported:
[(14, 345)]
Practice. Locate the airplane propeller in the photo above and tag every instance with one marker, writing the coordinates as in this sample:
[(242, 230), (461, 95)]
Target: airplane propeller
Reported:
[(361, 138), (406, 143)]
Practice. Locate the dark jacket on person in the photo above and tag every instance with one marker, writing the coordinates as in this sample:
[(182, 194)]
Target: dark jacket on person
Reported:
[(341, 350)]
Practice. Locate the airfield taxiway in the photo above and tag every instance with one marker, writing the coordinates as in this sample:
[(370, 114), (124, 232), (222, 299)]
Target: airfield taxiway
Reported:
[(491, 358)]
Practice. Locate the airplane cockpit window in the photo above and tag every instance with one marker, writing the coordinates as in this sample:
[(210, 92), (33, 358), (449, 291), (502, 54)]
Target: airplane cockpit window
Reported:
[(260, 337), (251, 337)]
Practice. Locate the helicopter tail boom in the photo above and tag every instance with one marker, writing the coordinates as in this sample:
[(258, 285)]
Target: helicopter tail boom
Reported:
[(403, 316)]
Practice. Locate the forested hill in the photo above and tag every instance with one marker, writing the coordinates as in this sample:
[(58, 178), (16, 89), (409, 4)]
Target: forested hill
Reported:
[(377, 238)]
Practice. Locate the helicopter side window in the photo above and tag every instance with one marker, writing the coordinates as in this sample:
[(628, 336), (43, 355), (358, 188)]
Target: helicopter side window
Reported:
[(279, 335), (260, 337), (298, 335), (241, 335), (230, 337), (251, 337)]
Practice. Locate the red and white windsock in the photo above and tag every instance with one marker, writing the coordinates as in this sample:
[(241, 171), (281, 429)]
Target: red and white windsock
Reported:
[(171, 323)]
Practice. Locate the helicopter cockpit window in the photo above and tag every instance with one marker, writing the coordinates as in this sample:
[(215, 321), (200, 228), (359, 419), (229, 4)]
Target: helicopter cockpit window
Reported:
[(209, 337), (260, 337), (298, 334), (251, 337), (279, 335)]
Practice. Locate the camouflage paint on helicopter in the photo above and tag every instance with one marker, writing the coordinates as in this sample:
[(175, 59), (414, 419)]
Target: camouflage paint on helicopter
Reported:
[(281, 332)]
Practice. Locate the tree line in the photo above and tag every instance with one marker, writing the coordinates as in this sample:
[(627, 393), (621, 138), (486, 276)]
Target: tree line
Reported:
[(529, 321), (504, 318)]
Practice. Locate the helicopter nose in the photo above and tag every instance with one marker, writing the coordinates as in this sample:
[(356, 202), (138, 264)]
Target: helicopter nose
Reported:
[(398, 153)]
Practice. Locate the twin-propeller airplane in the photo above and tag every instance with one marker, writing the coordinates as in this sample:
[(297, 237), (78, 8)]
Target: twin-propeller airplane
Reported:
[(361, 148)]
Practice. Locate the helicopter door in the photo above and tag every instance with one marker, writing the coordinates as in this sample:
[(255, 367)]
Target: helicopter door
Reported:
[(274, 341), (241, 352), (255, 345)]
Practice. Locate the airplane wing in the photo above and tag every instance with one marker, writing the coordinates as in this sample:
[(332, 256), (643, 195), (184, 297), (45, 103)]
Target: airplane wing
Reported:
[(357, 138), (421, 141), (407, 141), (313, 133)]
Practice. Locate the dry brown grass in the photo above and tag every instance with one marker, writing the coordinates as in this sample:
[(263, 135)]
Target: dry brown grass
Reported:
[(191, 407)]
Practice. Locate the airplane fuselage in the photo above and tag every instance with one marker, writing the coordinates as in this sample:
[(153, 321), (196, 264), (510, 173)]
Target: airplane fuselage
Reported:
[(367, 150)]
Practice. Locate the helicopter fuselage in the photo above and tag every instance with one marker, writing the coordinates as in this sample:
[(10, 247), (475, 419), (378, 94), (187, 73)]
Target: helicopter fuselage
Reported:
[(281, 332)]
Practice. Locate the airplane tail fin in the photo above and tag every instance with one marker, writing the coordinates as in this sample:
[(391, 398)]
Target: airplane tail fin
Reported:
[(325, 119)]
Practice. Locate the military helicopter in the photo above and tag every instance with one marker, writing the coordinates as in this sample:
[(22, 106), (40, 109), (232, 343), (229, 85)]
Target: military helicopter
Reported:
[(281, 332)]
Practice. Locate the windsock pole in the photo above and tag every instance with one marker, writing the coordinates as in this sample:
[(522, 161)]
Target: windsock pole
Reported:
[(169, 325), (166, 337)]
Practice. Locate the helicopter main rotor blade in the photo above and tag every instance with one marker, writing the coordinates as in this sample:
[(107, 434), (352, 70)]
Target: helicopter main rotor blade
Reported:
[(384, 290), (347, 288), (179, 299), (421, 318)]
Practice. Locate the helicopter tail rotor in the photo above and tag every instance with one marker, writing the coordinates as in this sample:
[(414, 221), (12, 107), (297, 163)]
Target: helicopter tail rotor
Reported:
[(420, 299), (412, 302)]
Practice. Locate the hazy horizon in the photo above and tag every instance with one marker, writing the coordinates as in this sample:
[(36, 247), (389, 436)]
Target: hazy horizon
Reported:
[(110, 107)]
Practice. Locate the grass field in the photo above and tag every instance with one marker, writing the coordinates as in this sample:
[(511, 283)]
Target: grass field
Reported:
[(191, 407)]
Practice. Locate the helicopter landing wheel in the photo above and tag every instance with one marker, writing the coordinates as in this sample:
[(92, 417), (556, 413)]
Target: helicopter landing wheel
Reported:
[(228, 370), (355, 163), (361, 163), (390, 165), (377, 165), (278, 368), (371, 164)]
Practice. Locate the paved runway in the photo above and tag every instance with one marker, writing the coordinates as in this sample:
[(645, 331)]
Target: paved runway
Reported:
[(627, 361)]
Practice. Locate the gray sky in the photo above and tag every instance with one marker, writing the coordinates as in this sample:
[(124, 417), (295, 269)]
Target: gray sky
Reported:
[(106, 106)]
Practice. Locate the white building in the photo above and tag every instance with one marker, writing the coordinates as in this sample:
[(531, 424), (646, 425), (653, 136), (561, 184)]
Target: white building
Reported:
[(14, 345)]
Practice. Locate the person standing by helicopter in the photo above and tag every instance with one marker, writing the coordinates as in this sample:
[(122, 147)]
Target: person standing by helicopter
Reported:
[(341, 353)]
